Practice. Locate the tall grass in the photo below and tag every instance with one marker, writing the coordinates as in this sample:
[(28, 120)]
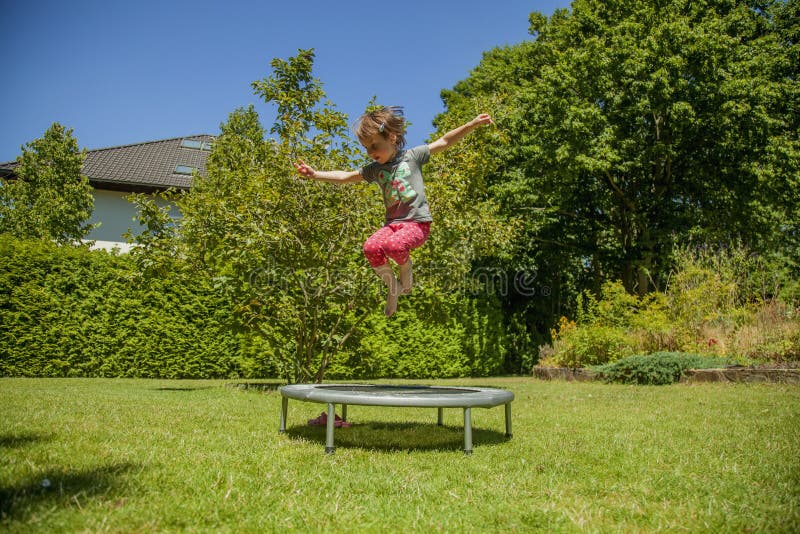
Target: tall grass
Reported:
[(717, 303), (145, 456)]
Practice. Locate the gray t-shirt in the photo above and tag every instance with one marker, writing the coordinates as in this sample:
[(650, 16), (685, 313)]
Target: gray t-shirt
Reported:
[(400, 181)]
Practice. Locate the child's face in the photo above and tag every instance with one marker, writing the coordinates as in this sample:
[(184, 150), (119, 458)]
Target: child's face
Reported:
[(380, 148)]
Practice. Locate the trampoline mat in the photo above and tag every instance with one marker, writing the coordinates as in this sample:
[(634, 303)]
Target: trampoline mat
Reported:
[(398, 395), (399, 390)]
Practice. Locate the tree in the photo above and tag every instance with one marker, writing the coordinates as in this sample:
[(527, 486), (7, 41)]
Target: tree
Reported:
[(632, 127), (637, 124), (50, 198), (287, 250)]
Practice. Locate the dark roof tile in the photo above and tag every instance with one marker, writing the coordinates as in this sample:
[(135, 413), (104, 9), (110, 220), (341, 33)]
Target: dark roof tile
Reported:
[(141, 166)]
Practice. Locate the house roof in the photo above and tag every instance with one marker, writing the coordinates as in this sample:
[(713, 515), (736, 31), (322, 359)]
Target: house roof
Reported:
[(144, 167)]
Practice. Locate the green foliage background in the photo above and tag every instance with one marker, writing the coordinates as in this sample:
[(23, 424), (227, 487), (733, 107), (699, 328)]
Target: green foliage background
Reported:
[(627, 132), (71, 312), (429, 337), (635, 126)]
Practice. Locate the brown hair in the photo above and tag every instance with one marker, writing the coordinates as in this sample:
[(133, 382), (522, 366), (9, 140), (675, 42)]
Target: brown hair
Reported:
[(384, 121)]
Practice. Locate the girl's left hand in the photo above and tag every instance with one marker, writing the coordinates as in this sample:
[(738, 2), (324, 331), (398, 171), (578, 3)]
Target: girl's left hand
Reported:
[(304, 169)]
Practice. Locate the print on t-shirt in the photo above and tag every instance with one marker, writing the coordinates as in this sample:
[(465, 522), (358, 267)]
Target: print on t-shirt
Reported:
[(394, 185)]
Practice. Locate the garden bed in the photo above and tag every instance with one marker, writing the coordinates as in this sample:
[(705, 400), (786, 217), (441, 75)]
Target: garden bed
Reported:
[(778, 374)]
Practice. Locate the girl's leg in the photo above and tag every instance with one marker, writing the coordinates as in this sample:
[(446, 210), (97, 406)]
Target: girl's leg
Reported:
[(395, 241), (406, 237), (386, 274), (376, 256), (375, 245)]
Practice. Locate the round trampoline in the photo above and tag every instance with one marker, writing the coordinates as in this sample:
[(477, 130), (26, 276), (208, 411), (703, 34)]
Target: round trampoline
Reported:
[(439, 397)]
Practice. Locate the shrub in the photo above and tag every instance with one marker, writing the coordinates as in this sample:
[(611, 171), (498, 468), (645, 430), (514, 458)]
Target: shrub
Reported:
[(656, 369), (718, 303), (616, 307), (584, 345)]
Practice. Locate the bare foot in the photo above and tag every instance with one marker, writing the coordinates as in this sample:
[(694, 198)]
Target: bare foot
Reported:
[(391, 303)]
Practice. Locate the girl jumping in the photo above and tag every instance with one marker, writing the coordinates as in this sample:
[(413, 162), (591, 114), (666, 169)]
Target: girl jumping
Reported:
[(398, 173)]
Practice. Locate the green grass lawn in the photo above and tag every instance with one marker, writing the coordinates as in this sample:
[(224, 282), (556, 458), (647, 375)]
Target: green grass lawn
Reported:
[(144, 456)]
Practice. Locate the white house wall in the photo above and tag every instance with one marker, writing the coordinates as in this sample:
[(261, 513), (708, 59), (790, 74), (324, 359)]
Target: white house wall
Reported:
[(117, 216)]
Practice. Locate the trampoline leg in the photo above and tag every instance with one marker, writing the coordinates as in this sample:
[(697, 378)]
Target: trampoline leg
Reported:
[(440, 417), (284, 407), (508, 420), (468, 431), (329, 448), (344, 412)]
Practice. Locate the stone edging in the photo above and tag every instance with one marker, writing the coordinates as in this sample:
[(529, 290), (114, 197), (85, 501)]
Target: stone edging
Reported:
[(564, 373), (778, 376), (692, 376)]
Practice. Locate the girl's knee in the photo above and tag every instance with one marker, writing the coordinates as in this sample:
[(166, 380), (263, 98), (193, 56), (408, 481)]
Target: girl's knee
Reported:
[(399, 253), (374, 254)]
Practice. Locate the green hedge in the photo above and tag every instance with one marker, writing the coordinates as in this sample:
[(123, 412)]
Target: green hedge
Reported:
[(69, 311), (656, 369), (428, 337)]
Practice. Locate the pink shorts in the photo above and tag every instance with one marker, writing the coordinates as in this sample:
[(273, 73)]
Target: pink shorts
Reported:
[(395, 241)]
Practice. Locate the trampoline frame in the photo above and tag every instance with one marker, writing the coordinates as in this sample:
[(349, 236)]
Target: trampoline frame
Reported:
[(438, 397)]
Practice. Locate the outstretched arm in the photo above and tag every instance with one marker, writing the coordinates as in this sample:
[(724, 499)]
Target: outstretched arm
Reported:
[(454, 136), (331, 177)]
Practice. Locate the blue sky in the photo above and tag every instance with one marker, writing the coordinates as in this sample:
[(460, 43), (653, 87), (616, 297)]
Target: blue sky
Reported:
[(121, 72)]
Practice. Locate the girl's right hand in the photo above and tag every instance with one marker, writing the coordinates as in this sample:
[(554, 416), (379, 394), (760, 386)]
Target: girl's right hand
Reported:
[(483, 118), (304, 170)]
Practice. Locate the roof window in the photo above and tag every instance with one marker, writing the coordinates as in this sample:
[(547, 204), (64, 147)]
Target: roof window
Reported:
[(184, 169), (196, 144)]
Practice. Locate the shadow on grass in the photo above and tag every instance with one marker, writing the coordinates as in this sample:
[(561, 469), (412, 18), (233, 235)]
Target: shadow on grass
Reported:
[(182, 388), (393, 437), (15, 441), (59, 488)]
